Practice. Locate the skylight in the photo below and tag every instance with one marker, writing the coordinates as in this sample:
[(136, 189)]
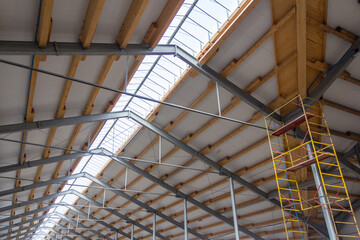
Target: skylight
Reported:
[(193, 26)]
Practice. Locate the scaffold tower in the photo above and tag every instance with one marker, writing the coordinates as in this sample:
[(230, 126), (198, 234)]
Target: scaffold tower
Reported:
[(316, 149)]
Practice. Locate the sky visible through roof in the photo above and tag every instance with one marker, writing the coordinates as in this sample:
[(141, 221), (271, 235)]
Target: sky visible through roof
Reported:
[(193, 26)]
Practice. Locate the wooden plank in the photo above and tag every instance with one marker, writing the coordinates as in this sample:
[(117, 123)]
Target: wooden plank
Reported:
[(294, 123), (307, 162), (91, 21)]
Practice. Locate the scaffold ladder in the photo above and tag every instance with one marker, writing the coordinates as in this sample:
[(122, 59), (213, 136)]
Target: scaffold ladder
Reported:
[(288, 159)]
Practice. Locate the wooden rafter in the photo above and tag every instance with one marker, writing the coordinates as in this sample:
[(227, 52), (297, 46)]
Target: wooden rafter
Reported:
[(90, 22), (252, 87), (162, 24), (43, 35), (87, 32)]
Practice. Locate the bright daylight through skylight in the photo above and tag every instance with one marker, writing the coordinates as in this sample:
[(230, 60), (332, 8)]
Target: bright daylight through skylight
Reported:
[(193, 26)]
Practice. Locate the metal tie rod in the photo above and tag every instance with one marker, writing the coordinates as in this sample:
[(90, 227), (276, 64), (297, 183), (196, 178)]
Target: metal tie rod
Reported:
[(129, 94)]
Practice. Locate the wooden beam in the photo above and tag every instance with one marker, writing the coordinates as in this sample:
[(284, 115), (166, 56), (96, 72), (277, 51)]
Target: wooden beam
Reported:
[(301, 45), (322, 66), (43, 35), (340, 107), (236, 62), (206, 150), (45, 22), (91, 21), (132, 18), (157, 29), (339, 31), (227, 29), (250, 88), (123, 35)]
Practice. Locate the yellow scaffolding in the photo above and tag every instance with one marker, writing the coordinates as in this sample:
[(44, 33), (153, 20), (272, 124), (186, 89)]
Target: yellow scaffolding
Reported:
[(287, 159)]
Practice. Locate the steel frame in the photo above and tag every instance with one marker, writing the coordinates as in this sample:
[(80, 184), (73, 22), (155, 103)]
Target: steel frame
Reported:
[(30, 48), (330, 77), (98, 181), (32, 232), (222, 170), (69, 207), (53, 49)]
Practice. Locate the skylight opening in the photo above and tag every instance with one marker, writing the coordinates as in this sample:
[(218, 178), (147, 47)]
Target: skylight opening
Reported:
[(191, 29)]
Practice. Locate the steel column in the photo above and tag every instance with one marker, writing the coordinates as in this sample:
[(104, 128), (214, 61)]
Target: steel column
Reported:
[(34, 231), (222, 170), (115, 213), (154, 226), (132, 231), (181, 195), (139, 203), (71, 230), (53, 206), (61, 122), (185, 221), (322, 196), (234, 212), (84, 226)]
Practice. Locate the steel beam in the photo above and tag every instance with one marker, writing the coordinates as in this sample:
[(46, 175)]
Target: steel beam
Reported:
[(33, 232), (345, 163), (36, 200), (36, 228), (357, 151), (70, 230), (44, 161), (185, 147), (73, 49), (83, 226), (115, 213), (40, 184), (180, 194), (60, 122), (222, 170), (138, 202), (337, 69), (22, 223), (225, 83), (56, 205), (330, 77), (30, 48), (20, 230), (100, 182)]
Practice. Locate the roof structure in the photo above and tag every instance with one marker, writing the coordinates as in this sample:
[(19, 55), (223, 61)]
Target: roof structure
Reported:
[(144, 119)]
